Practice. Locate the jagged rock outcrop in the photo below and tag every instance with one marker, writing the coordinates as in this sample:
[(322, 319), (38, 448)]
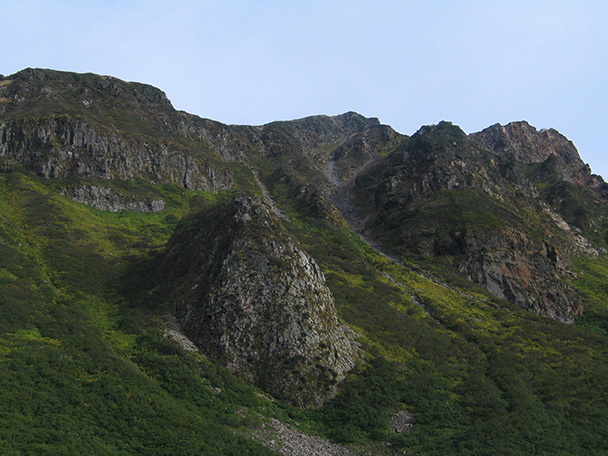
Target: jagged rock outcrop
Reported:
[(526, 144), (550, 162), (61, 146), (251, 297)]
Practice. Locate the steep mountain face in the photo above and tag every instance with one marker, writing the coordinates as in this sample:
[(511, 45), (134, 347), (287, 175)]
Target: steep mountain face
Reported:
[(551, 162), (469, 201), (252, 298), (116, 210), (63, 124), (510, 194)]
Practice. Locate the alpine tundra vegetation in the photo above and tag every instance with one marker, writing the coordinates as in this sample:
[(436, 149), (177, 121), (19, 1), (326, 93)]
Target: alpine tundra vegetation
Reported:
[(173, 285)]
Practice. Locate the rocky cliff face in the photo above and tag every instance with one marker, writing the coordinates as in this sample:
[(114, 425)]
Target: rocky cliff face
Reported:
[(64, 124), (108, 199), (61, 147), (526, 144), (250, 296), (472, 204)]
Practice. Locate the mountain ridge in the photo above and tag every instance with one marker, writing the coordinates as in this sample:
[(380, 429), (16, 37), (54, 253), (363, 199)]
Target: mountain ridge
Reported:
[(314, 156), (454, 259)]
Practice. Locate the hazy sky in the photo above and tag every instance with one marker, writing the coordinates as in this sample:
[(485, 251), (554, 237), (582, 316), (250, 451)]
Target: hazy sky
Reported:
[(410, 63)]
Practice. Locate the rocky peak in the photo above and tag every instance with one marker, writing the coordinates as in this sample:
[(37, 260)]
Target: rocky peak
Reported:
[(63, 124), (443, 132), (554, 153), (444, 128), (312, 137), (346, 123), (353, 121), (527, 143), (251, 297)]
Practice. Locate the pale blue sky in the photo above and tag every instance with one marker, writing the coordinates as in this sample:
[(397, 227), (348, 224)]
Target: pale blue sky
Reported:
[(410, 63)]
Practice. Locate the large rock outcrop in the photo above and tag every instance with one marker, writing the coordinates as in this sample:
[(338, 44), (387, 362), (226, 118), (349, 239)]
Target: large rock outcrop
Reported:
[(62, 146), (250, 296), (106, 198), (528, 145)]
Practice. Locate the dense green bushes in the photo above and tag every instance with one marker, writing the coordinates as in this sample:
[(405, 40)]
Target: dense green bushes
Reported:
[(84, 368), (82, 371)]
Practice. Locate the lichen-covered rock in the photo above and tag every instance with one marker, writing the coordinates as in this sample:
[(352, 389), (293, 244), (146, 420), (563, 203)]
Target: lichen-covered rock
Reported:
[(250, 296), (402, 422), (534, 275)]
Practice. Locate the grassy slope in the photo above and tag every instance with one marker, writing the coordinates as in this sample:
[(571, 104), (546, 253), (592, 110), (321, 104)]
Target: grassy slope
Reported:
[(478, 374), (591, 284), (85, 369)]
